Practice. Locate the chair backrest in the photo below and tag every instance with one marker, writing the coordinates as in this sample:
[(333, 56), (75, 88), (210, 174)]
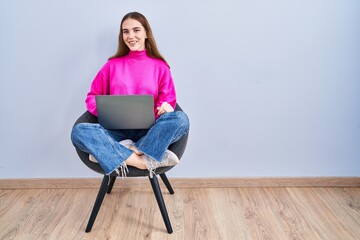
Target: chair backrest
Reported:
[(178, 147)]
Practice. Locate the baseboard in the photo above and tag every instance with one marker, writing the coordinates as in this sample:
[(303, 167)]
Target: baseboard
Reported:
[(94, 183)]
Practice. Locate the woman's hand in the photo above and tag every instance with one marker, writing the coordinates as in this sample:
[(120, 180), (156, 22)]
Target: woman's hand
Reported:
[(164, 108)]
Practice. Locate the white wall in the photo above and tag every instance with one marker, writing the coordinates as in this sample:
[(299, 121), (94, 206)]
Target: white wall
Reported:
[(272, 88)]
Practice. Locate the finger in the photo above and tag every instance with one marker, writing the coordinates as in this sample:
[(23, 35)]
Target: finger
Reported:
[(160, 110), (169, 108), (164, 108)]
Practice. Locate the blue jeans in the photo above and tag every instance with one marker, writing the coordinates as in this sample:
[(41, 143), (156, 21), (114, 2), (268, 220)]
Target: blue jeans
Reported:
[(104, 144)]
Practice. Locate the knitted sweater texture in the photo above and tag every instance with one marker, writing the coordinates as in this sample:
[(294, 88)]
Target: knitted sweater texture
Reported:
[(133, 74)]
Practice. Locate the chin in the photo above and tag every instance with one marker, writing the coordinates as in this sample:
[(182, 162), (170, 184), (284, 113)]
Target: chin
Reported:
[(135, 48)]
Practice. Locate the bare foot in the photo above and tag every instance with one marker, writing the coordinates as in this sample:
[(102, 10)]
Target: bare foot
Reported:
[(135, 150), (136, 161)]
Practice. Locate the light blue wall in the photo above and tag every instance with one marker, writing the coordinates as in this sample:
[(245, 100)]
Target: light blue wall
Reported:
[(272, 88)]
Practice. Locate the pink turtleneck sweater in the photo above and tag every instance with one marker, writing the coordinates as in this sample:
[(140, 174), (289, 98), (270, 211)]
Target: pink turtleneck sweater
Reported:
[(133, 74)]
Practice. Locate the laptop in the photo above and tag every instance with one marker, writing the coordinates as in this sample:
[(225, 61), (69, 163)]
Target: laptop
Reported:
[(125, 111)]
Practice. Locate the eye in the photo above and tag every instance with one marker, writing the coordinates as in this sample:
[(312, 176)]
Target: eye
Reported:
[(125, 31)]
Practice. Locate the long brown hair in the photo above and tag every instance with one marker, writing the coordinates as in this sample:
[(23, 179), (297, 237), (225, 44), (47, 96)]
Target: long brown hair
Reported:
[(150, 44)]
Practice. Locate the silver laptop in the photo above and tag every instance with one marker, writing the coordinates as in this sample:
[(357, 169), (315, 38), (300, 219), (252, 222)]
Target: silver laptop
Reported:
[(125, 111)]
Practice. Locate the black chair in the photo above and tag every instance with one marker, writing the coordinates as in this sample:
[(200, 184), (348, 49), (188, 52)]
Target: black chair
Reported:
[(108, 180)]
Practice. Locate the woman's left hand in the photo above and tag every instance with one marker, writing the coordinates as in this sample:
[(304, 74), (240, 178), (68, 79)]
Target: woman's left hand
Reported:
[(164, 108)]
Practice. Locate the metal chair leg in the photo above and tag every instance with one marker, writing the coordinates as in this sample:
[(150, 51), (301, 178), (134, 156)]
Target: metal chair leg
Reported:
[(99, 199), (111, 184), (159, 198), (167, 183)]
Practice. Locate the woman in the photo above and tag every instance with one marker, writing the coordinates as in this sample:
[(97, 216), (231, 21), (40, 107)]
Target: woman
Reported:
[(136, 68)]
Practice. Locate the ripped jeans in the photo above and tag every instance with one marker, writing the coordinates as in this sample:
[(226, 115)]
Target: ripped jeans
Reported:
[(104, 144)]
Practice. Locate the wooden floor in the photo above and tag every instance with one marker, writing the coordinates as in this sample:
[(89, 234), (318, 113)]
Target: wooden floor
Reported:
[(196, 213)]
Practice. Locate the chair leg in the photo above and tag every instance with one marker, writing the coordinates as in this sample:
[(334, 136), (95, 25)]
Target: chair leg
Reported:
[(112, 181), (99, 199), (160, 200), (167, 183)]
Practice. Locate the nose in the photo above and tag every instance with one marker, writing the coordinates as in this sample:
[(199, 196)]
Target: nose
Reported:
[(131, 34)]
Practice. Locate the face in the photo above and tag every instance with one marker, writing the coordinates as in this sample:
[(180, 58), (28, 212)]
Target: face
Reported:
[(134, 34)]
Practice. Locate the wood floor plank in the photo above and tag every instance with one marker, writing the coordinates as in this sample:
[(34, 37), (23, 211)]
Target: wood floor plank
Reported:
[(123, 209), (195, 213), (260, 219), (8, 213), (199, 217), (289, 215), (18, 213), (318, 215), (347, 221), (349, 199), (228, 214), (71, 213)]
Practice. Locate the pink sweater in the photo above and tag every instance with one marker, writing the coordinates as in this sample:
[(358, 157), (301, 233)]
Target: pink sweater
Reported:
[(133, 74)]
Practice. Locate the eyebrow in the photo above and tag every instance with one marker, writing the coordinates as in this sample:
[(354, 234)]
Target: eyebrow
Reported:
[(132, 28)]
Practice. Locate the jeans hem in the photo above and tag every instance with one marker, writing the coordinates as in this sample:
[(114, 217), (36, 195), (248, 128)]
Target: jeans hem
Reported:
[(121, 170)]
